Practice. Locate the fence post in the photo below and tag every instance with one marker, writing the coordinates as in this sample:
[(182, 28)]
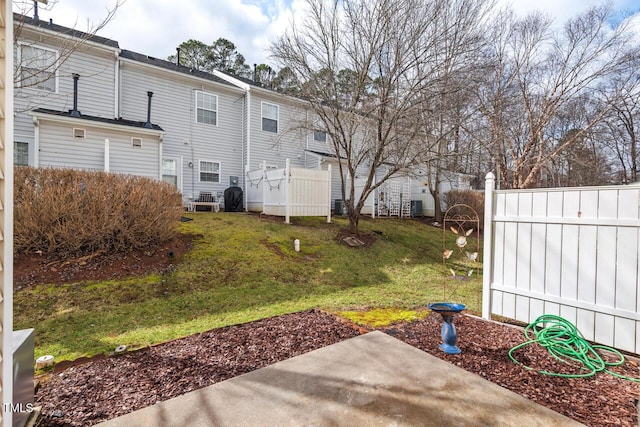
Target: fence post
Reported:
[(287, 201), (487, 256), (264, 184), (329, 190)]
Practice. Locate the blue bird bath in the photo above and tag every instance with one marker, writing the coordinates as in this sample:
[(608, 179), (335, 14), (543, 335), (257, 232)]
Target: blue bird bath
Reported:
[(449, 335)]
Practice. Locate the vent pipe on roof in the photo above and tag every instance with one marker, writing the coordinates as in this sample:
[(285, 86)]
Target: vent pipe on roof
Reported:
[(75, 112), (148, 125), (178, 55), (35, 10), (255, 72)]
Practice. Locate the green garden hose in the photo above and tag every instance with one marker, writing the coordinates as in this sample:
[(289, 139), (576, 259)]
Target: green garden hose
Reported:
[(565, 343)]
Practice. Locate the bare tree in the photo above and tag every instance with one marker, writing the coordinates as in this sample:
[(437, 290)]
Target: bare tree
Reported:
[(362, 67), (620, 128), (446, 97), (36, 67), (534, 73)]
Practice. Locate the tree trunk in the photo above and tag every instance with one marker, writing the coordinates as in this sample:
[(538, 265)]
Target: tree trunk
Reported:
[(354, 217)]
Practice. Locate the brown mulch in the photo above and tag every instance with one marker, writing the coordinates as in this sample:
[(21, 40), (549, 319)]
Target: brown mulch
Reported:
[(103, 389)]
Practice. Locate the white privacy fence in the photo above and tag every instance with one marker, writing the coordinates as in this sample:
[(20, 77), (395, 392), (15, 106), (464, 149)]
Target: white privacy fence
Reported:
[(572, 252), (290, 191)]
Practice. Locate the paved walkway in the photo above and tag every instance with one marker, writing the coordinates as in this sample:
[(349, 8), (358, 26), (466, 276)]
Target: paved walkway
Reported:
[(369, 380)]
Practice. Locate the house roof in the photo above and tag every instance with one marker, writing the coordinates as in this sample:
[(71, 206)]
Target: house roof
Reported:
[(119, 121), (328, 155), (49, 25), (168, 65)]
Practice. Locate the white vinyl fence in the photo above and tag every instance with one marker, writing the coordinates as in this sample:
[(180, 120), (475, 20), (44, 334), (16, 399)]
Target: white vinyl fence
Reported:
[(290, 192), (572, 252)]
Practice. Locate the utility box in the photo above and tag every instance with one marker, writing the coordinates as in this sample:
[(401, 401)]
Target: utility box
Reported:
[(416, 208), (233, 181), (340, 208), (23, 385), (337, 207)]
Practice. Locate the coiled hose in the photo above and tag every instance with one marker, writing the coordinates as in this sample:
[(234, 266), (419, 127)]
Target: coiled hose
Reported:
[(565, 343)]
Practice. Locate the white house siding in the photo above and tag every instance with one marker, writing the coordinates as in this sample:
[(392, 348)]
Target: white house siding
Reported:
[(173, 109), (95, 63), (142, 161), (59, 149), (288, 143)]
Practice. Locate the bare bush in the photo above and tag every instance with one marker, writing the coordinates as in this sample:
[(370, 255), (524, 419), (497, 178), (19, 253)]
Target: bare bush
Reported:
[(71, 212), (473, 199)]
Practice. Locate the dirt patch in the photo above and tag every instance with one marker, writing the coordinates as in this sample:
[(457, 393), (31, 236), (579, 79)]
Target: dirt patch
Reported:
[(33, 269), (365, 237)]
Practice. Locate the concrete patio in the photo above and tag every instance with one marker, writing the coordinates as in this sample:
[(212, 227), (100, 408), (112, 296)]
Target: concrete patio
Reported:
[(372, 379)]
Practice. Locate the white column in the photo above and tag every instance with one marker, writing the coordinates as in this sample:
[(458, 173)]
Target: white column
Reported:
[(487, 256), (6, 208), (106, 155)]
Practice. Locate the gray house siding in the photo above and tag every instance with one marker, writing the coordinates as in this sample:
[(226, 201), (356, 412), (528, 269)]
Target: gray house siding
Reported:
[(174, 109), (96, 65), (60, 149), (290, 140), (127, 159)]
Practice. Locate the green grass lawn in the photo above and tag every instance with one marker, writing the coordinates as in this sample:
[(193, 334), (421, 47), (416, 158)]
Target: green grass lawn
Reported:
[(241, 269)]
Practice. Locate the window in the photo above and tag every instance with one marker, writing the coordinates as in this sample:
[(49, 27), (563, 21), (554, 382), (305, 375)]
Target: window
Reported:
[(79, 133), (209, 171), (170, 171), (320, 136), (37, 67), (206, 108), (20, 153), (269, 117), (136, 142)]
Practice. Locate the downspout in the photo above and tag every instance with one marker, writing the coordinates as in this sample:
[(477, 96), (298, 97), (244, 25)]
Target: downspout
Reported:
[(248, 129), (248, 166), (116, 87)]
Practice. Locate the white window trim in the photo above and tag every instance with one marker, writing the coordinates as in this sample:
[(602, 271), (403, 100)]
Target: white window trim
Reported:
[(262, 103), (195, 118), (55, 66), (219, 171), (178, 160)]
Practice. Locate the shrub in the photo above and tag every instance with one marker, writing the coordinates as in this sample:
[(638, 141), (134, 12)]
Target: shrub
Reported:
[(471, 198), (70, 212)]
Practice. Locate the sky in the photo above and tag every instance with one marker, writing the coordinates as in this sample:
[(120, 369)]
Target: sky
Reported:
[(157, 27)]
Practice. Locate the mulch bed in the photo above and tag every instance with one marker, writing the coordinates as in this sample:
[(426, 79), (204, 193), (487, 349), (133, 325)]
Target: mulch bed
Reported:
[(106, 388), (32, 269)]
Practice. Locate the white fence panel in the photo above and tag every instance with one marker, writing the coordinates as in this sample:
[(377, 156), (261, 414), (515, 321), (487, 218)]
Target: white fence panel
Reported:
[(570, 252), (310, 192), (290, 192), (274, 194), (254, 183)]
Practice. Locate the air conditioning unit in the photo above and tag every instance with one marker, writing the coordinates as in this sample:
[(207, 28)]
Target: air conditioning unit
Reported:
[(416, 208), (23, 386)]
